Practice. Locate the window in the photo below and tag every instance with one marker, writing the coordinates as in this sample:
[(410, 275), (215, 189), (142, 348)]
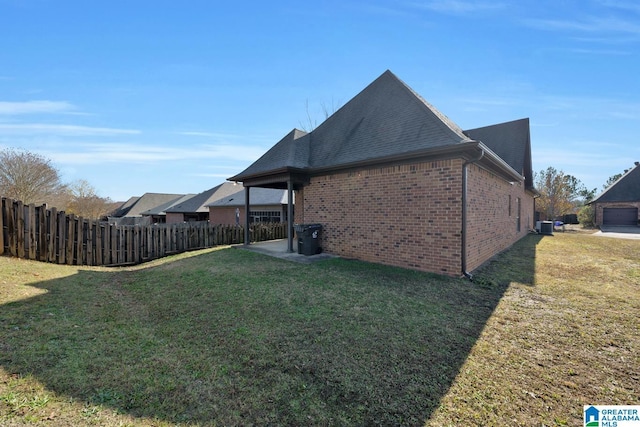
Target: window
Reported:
[(517, 213), (265, 216)]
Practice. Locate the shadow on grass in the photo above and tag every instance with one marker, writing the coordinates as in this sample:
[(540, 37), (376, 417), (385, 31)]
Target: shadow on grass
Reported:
[(235, 338)]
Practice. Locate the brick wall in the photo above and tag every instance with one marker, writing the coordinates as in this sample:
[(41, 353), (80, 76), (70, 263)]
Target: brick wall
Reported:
[(225, 215), (406, 215), (492, 224), (173, 218), (411, 216)]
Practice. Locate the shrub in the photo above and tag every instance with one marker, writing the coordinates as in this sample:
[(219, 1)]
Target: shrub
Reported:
[(587, 217)]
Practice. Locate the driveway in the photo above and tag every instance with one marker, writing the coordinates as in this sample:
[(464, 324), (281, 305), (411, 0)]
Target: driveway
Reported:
[(620, 232)]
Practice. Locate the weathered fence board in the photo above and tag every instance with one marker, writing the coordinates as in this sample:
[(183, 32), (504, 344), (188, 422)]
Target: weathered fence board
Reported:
[(38, 233)]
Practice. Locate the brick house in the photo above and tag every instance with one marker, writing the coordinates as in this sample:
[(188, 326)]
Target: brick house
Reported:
[(619, 204), (196, 208), (267, 205), (394, 181)]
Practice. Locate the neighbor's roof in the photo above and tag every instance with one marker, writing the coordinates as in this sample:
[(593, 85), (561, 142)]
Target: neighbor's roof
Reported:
[(161, 209), (625, 189), (257, 197), (125, 207), (511, 141), (146, 202), (200, 202)]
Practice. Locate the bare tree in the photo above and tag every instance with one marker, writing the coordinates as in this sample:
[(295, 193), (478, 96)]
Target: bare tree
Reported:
[(28, 177), (85, 202), (311, 123)]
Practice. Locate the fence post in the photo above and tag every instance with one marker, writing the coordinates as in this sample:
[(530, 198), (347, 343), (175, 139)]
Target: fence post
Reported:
[(42, 247), (62, 237), (52, 229), (88, 225), (71, 238), (80, 240), (98, 242), (2, 221)]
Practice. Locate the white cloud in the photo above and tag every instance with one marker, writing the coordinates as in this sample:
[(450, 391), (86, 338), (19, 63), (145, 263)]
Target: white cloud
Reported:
[(589, 25), (130, 153), (35, 107), (632, 6), (459, 6), (61, 130)]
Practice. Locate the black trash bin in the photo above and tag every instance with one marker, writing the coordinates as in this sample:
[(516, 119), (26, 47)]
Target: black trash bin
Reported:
[(308, 238)]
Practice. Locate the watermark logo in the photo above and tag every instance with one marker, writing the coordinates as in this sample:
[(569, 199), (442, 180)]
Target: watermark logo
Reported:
[(611, 416)]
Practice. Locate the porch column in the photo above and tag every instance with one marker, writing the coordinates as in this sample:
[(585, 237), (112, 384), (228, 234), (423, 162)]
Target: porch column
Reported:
[(290, 215), (247, 218)]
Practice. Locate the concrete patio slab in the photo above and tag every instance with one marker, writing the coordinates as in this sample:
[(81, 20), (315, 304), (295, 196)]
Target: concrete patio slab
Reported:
[(278, 249)]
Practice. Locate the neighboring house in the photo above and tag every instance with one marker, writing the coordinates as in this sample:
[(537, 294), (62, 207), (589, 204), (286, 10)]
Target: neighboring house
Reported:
[(619, 203), (196, 208), (267, 205), (158, 214), (131, 212), (394, 181)]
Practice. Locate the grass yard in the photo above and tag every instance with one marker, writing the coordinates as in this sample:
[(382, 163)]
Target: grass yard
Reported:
[(230, 337)]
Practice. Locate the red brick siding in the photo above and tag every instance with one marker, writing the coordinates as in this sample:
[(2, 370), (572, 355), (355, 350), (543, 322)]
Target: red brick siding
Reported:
[(227, 214), (599, 208), (173, 218), (406, 215), (491, 228)]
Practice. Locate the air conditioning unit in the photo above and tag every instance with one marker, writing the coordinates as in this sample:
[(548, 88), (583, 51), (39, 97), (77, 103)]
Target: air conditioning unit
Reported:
[(544, 227)]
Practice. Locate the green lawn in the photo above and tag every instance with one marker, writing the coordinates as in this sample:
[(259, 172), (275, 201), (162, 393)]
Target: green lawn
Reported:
[(231, 337)]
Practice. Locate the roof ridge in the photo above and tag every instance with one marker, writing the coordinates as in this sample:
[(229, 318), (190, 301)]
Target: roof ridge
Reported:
[(442, 118)]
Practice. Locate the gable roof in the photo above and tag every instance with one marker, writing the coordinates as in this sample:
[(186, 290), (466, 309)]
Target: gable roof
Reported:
[(387, 121), (161, 209), (257, 197), (200, 202), (511, 141), (146, 202), (125, 207), (625, 189)]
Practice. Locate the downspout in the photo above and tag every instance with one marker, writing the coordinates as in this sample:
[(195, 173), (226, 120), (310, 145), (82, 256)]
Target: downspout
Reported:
[(289, 215), (247, 217), (464, 213)]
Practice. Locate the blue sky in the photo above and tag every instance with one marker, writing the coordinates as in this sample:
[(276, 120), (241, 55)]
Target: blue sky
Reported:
[(174, 97)]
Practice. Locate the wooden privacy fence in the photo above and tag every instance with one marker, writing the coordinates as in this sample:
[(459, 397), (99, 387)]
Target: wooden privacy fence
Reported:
[(45, 234)]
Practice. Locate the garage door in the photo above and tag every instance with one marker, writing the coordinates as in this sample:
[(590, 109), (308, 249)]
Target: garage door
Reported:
[(620, 216)]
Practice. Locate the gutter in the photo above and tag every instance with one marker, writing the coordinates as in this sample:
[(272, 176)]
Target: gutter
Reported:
[(464, 213)]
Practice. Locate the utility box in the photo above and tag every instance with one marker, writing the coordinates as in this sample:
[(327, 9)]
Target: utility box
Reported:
[(308, 238), (544, 227)]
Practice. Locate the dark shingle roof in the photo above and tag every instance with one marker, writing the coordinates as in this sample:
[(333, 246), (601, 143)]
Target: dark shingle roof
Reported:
[(625, 189), (292, 151), (161, 209), (387, 118), (511, 141), (387, 121), (257, 197), (146, 202), (125, 207), (199, 202)]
